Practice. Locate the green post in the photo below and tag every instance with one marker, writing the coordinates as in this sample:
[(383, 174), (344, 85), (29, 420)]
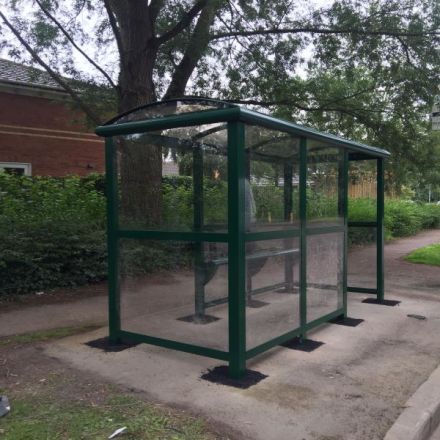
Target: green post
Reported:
[(288, 210), (112, 241), (380, 230), (236, 250), (198, 225), (344, 212), (303, 235)]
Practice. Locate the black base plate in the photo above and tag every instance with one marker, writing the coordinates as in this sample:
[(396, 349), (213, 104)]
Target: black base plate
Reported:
[(349, 322), (221, 376), (105, 345), (307, 345), (199, 319), (255, 304), (385, 302)]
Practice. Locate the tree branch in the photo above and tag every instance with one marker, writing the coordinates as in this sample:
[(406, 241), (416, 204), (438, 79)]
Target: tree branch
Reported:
[(183, 23), (321, 107), (406, 49), (314, 30), (115, 28), (70, 39), (94, 117), (271, 103), (196, 46)]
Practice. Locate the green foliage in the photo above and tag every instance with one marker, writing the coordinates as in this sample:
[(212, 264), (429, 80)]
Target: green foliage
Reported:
[(402, 218), (53, 233), (143, 257), (43, 415), (426, 255), (53, 230)]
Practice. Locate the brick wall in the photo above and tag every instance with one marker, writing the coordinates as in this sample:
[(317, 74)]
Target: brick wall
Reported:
[(49, 135)]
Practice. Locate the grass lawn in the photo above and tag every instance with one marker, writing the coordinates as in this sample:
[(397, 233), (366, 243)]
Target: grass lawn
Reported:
[(426, 255), (52, 401)]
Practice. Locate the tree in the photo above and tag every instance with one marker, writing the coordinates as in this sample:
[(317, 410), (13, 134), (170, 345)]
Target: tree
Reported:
[(281, 55)]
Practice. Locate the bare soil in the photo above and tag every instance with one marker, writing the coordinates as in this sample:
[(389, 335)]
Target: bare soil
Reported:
[(25, 370)]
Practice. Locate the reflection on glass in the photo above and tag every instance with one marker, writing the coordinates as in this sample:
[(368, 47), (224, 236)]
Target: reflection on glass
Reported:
[(161, 110), (361, 258), (324, 274), (324, 185), (175, 290), (272, 179), (362, 190), (272, 289), (184, 187)]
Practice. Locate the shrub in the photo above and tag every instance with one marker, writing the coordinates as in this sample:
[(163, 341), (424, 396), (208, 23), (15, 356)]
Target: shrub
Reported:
[(53, 229), (52, 233)]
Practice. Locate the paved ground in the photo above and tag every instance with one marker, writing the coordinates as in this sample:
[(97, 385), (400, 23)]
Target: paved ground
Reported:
[(436, 434), (406, 278), (400, 275), (351, 388)]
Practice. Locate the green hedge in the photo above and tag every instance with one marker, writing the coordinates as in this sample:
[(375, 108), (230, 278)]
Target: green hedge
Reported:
[(52, 233), (53, 230)]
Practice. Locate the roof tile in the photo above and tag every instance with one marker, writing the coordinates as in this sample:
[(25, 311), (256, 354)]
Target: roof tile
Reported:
[(19, 73)]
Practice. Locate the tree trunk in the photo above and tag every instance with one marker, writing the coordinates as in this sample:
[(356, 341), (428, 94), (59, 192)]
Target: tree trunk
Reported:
[(140, 164)]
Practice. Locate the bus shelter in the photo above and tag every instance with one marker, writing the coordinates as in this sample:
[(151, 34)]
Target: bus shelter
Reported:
[(242, 246)]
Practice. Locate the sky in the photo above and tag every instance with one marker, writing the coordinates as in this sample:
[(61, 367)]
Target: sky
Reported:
[(108, 59)]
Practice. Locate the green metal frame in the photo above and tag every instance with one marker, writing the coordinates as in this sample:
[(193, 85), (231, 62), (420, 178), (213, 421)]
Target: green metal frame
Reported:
[(112, 242), (378, 225), (236, 235)]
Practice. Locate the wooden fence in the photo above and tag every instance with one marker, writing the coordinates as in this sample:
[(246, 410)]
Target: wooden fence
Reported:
[(363, 188)]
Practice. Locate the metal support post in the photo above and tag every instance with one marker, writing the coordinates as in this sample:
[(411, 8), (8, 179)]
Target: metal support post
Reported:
[(380, 240), (303, 235), (112, 241), (343, 209), (236, 249)]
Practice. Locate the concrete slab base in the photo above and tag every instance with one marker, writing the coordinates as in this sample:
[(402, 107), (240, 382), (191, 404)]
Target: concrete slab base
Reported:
[(422, 414), (352, 388)]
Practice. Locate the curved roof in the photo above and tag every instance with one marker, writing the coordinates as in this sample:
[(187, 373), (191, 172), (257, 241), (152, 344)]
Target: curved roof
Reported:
[(188, 111), (170, 107)]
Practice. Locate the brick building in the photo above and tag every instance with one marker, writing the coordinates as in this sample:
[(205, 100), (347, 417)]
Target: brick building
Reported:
[(40, 133)]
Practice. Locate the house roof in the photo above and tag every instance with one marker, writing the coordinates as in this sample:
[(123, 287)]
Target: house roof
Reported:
[(19, 74)]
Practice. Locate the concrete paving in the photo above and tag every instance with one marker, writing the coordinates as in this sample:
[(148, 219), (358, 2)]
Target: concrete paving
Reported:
[(436, 434), (421, 415), (353, 387)]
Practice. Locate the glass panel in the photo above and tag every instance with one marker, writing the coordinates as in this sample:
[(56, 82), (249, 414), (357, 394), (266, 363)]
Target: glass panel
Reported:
[(324, 185), (362, 193), (272, 166), (175, 290), (169, 108), (324, 274), (183, 189), (361, 260), (272, 289)]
